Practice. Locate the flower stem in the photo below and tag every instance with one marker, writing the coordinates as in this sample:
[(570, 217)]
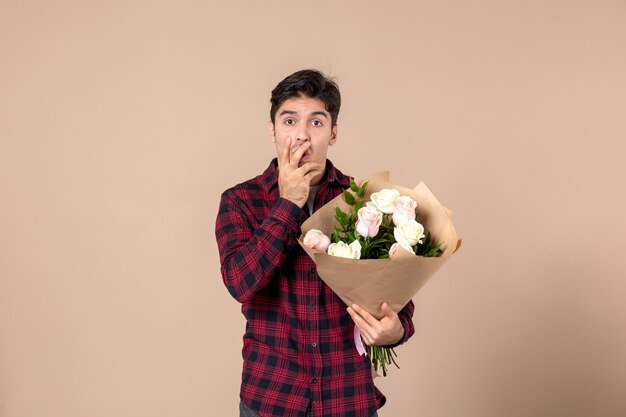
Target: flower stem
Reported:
[(381, 357)]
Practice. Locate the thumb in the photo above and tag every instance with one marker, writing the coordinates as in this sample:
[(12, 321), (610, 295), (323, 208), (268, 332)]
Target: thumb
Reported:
[(387, 311)]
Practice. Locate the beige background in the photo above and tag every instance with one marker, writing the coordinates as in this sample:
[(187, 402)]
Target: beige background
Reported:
[(121, 122)]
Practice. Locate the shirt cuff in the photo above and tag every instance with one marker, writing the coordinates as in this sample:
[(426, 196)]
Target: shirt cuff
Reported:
[(290, 213)]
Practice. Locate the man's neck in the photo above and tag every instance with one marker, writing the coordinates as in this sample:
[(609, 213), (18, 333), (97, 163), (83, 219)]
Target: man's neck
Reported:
[(310, 201)]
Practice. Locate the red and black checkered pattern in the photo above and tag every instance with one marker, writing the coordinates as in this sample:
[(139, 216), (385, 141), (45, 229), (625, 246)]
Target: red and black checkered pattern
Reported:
[(298, 347)]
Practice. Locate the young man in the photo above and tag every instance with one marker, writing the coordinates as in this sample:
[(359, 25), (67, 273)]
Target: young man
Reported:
[(299, 353)]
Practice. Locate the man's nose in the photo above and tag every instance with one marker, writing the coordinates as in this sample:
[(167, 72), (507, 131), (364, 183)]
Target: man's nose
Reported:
[(302, 134)]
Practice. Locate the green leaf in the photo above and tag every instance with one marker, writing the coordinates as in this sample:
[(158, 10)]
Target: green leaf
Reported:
[(342, 218), (353, 185), (349, 198), (434, 250), (361, 191)]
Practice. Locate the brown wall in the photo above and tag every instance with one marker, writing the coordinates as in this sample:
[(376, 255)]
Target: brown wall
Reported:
[(121, 122)]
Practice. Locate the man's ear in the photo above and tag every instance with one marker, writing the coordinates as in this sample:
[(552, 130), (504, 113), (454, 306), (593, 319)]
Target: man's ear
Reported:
[(271, 132), (333, 135)]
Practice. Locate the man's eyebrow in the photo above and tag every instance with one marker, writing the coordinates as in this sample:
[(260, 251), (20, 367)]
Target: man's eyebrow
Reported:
[(315, 113)]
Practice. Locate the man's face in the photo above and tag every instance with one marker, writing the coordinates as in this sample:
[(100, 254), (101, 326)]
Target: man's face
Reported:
[(304, 119)]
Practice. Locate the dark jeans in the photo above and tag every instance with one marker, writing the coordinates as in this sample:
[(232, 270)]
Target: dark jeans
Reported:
[(246, 412)]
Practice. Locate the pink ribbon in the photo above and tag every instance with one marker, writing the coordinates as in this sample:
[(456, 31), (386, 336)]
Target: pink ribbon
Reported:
[(360, 347), (359, 342)]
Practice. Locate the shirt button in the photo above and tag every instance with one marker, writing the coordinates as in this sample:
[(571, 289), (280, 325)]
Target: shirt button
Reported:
[(311, 308), (314, 344), (314, 380), (312, 269)]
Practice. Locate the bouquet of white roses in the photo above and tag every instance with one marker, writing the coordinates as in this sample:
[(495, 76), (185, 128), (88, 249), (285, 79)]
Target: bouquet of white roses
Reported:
[(369, 246)]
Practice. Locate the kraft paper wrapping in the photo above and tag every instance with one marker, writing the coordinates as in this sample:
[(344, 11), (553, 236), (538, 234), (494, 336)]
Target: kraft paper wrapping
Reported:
[(370, 282)]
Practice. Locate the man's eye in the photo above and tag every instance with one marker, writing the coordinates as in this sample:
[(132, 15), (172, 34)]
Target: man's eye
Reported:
[(289, 122), (316, 123)]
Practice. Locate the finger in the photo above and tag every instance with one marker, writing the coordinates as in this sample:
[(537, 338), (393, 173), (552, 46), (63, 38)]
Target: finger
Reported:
[(358, 320), (369, 333), (297, 155), (311, 175), (284, 155), (367, 338), (367, 317), (308, 166), (311, 169), (364, 328)]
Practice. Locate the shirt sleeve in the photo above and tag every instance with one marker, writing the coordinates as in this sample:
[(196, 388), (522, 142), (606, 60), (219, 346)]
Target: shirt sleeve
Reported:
[(250, 256)]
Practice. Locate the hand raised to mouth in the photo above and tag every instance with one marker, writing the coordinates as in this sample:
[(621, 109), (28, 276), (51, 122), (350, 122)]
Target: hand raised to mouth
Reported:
[(294, 181)]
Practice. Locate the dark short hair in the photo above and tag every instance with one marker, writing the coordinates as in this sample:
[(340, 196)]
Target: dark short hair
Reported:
[(311, 84)]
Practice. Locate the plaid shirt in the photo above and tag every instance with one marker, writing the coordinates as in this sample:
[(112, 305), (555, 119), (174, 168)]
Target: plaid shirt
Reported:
[(298, 347)]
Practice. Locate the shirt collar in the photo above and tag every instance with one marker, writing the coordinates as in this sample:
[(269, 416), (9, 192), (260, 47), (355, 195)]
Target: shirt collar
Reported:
[(269, 178)]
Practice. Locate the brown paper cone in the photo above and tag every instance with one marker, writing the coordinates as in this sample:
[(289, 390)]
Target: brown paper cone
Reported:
[(370, 282)]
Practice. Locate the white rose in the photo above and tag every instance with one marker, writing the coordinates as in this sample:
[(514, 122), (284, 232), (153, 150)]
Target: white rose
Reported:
[(315, 239), (394, 248), (383, 200), (410, 232), (343, 250)]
